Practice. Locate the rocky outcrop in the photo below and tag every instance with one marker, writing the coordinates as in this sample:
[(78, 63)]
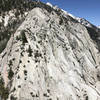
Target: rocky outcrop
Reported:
[(51, 57)]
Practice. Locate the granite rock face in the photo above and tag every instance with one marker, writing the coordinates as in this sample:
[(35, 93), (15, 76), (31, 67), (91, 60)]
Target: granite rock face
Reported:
[(51, 56)]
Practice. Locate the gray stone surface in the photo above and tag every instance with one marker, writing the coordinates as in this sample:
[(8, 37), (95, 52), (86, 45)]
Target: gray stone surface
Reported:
[(51, 60)]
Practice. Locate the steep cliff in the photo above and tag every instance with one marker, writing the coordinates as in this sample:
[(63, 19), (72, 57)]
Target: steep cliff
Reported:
[(50, 56)]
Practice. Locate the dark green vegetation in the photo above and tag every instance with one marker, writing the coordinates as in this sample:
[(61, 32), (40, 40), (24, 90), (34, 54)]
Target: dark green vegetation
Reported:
[(10, 74), (4, 92), (5, 33), (6, 5), (22, 37), (29, 51), (4, 37), (13, 98), (21, 5), (10, 63), (25, 72)]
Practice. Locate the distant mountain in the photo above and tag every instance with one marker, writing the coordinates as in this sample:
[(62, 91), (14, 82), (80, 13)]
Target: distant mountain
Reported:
[(47, 53), (98, 26)]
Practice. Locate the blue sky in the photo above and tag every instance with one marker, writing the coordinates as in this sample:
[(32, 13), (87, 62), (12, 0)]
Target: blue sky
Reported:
[(88, 9)]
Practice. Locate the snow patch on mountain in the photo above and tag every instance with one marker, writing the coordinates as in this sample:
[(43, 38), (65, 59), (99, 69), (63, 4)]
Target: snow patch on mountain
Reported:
[(52, 6), (6, 19), (1, 19), (80, 20), (98, 26), (8, 16), (66, 13), (49, 4)]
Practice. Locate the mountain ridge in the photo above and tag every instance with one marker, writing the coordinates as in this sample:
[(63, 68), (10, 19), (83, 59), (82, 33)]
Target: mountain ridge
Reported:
[(49, 56)]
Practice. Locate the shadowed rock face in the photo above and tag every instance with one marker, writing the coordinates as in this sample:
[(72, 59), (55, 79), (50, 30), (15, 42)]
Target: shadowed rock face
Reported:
[(94, 33), (50, 57)]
